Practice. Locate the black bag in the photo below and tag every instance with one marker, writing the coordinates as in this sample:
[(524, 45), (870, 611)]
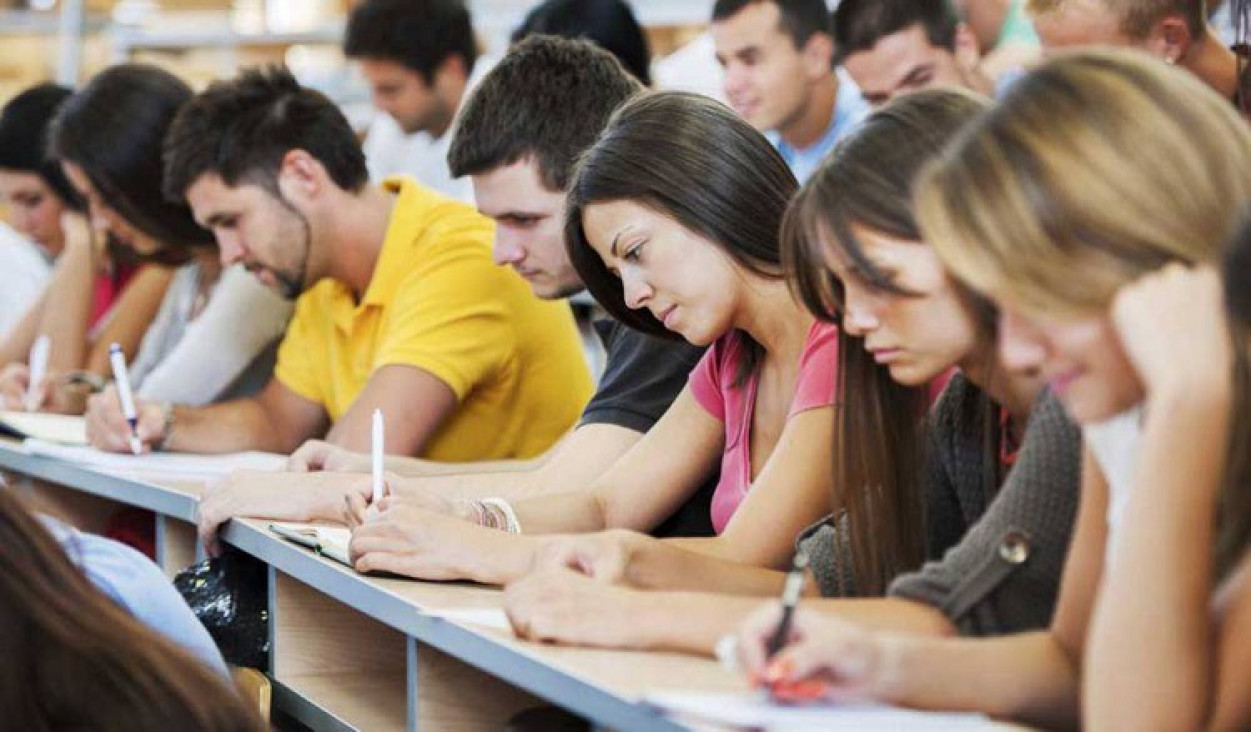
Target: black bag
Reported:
[(230, 596)]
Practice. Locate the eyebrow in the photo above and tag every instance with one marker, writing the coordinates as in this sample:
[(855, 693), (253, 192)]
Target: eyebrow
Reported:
[(915, 72)]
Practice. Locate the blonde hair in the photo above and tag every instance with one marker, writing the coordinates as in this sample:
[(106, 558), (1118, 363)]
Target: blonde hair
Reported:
[(1138, 16), (1095, 169)]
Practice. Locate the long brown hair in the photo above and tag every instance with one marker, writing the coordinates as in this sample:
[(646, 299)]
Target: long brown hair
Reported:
[(867, 181), (1233, 535), (695, 161), (72, 659), (1094, 170)]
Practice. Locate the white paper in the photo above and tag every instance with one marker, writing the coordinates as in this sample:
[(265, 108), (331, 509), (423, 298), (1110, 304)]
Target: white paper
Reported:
[(171, 466), (59, 428), (755, 711)]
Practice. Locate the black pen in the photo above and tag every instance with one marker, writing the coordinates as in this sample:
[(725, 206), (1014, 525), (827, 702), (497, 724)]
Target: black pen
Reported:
[(790, 598)]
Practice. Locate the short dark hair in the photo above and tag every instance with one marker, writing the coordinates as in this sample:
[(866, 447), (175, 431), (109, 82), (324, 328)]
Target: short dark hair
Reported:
[(242, 128), (692, 159), (24, 125), (522, 108), (858, 25), (112, 129), (800, 18), (609, 24), (419, 34)]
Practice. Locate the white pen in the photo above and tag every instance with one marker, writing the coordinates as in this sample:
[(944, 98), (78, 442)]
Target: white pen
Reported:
[(38, 372), (379, 455), (117, 360)]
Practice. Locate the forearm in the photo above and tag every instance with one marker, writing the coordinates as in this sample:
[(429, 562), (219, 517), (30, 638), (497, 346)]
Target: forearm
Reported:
[(1026, 678), (1160, 577), (229, 427), (72, 287), (666, 564), (694, 622), (571, 513)]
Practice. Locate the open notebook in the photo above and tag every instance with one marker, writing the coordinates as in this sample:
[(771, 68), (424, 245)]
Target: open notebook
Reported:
[(166, 465), (58, 428), (328, 541)]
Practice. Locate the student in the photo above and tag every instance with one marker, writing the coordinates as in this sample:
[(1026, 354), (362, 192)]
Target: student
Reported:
[(32, 186), (399, 309), (779, 75), (90, 272), (1056, 216), (1176, 31), (213, 336), (76, 658), (418, 57), (520, 159), (673, 242), (892, 47), (988, 482), (609, 24)]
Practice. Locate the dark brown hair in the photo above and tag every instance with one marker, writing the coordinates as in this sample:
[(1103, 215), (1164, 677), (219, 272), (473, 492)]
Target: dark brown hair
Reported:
[(693, 160), (867, 180), (72, 659)]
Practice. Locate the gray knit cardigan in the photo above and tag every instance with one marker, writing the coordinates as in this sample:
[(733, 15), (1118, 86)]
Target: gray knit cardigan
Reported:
[(995, 560)]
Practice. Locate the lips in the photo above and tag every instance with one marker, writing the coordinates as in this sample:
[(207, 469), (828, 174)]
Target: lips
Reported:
[(885, 355), (666, 316), (1060, 384)]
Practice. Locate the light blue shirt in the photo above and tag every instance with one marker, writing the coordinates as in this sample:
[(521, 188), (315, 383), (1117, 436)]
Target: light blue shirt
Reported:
[(849, 109), (140, 588)]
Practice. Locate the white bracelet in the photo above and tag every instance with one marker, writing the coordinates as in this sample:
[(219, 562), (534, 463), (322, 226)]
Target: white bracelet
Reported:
[(510, 516)]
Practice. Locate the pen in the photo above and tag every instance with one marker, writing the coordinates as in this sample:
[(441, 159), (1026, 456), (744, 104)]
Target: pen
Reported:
[(790, 598), (378, 455), (117, 360), (38, 372)]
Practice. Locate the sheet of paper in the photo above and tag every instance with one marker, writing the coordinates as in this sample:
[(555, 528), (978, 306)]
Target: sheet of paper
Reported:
[(58, 428), (168, 465), (493, 618), (754, 711)]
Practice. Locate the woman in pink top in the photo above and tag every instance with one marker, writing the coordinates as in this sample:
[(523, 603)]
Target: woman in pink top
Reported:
[(672, 223)]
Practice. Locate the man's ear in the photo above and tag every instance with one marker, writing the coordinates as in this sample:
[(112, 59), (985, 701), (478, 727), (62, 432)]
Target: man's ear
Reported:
[(452, 68), (1170, 39), (301, 177), (818, 56), (968, 54)]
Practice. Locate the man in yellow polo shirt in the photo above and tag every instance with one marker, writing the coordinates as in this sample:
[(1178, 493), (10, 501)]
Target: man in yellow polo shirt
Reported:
[(400, 305)]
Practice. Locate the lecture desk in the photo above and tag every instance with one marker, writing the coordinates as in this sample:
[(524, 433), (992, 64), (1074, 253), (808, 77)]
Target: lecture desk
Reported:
[(355, 652)]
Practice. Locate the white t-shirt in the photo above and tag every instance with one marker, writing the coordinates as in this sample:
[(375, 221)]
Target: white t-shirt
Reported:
[(1115, 445), (23, 276), (389, 152)]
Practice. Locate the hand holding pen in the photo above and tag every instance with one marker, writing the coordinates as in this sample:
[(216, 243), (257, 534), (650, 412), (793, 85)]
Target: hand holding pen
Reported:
[(110, 428)]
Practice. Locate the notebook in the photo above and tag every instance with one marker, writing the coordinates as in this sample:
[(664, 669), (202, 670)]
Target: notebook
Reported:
[(59, 428), (330, 542)]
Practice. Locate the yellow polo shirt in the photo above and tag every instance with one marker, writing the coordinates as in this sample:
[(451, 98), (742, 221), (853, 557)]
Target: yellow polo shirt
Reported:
[(438, 303)]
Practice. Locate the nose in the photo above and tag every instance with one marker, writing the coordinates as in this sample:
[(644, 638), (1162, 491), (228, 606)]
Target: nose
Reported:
[(636, 290), (508, 248), (229, 249), (859, 316), (1021, 346), (23, 220), (734, 80)]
